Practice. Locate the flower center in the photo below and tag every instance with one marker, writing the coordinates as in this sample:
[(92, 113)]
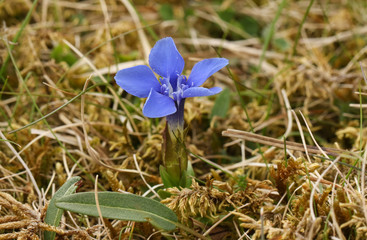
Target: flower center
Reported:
[(175, 94)]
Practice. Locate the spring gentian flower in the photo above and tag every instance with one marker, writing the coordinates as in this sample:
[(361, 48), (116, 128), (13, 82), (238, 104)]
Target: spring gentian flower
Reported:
[(166, 96)]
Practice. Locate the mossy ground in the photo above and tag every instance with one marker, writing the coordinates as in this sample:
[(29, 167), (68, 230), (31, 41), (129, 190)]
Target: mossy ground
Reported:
[(295, 71)]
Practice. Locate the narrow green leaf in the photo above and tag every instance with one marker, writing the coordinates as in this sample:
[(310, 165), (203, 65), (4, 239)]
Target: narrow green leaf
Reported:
[(190, 174), (121, 206), (54, 214), (184, 180), (164, 194), (190, 170), (221, 104), (166, 179)]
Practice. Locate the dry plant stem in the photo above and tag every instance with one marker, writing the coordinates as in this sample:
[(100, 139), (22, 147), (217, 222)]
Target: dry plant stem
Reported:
[(48, 133), (313, 216), (313, 139), (189, 230), (223, 218), (305, 147), (52, 85), (8, 236), (93, 153), (49, 185), (289, 202), (15, 225), (106, 17), (253, 137), (342, 36), (109, 37), (30, 175), (153, 188), (142, 177), (354, 60), (114, 68), (18, 207), (219, 167), (111, 167), (357, 105), (229, 46), (9, 219), (332, 212), (281, 199), (323, 181), (151, 235), (12, 175), (141, 33), (287, 131)]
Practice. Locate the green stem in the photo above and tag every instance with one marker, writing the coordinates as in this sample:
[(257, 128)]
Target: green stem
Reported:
[(300, 27), (174, 151)]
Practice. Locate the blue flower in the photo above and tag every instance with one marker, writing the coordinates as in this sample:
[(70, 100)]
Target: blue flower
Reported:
[(167, 93)]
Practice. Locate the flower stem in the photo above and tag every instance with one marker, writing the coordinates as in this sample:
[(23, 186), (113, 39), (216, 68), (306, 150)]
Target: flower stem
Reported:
[(175, 121), (174, 151)]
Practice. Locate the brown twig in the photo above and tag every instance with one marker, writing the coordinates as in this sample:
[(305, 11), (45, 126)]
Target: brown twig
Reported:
[(279, 143)]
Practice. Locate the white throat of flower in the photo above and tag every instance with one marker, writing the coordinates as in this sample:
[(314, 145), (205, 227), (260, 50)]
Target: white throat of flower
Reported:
[(167, 89)]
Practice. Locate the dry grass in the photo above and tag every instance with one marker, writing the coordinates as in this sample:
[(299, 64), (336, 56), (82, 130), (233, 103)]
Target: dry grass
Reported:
[(297, 97)]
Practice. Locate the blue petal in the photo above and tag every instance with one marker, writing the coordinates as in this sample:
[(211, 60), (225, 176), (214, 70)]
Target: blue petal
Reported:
[(165, 60), (204, 69), (137, 80), (200, 92), (158, 105)]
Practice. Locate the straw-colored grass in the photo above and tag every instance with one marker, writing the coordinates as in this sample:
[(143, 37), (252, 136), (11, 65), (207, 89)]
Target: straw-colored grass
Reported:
[(286, 161)]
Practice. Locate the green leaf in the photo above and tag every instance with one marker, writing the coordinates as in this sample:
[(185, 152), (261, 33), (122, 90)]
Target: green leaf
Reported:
[(54, 214), (121, 206), (221, 104), (250, 25), (184, 180), (166, 179), (190, 170), (227, 14), (62, 53), (132, 55), (190, 174), (166, 12), (188, 12), (163, 194), (281, 44)]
